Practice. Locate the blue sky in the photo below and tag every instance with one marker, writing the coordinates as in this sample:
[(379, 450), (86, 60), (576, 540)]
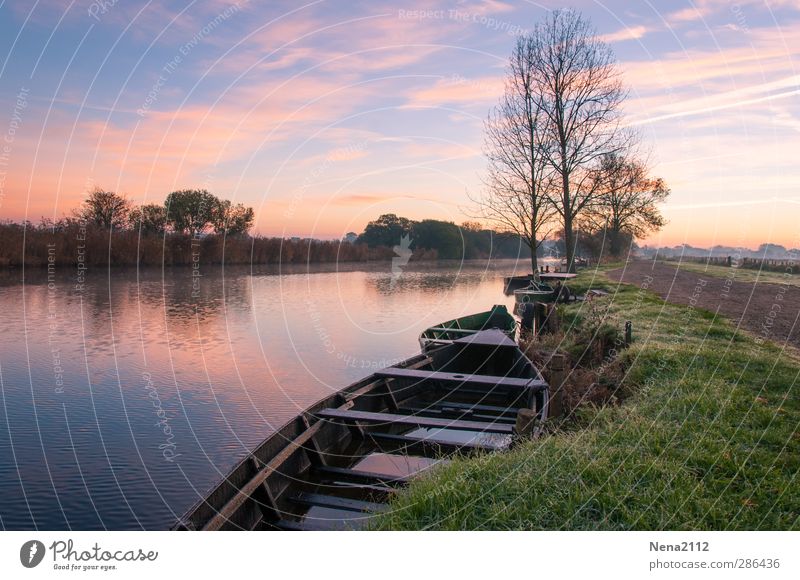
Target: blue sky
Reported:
[(324, 115)]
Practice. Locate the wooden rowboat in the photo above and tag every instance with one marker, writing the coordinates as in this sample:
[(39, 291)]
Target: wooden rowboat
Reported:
[(338, 463), (535, 292), (511, 283), (447, 332)]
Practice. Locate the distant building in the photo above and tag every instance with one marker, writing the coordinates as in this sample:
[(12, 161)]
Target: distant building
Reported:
[(350, 237)]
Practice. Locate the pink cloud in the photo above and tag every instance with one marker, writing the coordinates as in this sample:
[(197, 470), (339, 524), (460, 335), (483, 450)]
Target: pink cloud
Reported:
[(627, 33), (458, 90)]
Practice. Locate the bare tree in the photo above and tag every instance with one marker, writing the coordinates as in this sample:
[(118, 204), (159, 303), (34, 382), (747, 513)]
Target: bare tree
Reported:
[(518, 176), (579, 95), (105, 209), (627, 199)]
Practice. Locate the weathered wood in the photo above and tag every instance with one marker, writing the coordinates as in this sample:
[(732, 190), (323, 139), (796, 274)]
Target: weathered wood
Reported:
[(351, 416), (552, 321), (453, 330), (361, 491), (492, 337), (527, 424), (354, 475), (558, 375), (339, 503), (278, 483), (226, 513), (462, 378), (430, 447), (314, 525), (457, 414), (498, 410)]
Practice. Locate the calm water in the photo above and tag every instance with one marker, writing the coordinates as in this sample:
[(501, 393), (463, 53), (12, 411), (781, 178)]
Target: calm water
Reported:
[(123, 401)]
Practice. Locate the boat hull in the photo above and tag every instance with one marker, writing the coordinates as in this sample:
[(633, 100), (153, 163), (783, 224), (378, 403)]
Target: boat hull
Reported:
[(446, 332), (326, 469)]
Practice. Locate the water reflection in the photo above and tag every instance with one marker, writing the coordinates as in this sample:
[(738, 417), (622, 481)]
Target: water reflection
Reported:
[(123, 401)]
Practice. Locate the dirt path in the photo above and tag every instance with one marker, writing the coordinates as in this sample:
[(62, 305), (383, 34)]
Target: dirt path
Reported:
[(768, 310)]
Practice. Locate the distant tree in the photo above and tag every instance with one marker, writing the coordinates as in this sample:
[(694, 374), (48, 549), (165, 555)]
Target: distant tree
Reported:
[(768, 250), (104, 209), (232, 219), (580, 95), (515, 138), (626, 200), (386, 231), (444, 237), (471, 226), (190, 211), (148, 219)]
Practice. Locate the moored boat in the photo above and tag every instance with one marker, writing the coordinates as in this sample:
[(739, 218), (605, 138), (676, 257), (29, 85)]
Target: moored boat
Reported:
[(511, 283), (337, 464), (535, 292), (447, 332)]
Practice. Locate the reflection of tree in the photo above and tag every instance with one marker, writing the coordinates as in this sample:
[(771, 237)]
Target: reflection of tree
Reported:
[(154, 299), (423, 281)]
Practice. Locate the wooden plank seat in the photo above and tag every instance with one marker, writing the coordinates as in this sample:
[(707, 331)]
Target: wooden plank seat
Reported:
[(360, 491), (508, 412), (316, 525), (294, 526), (429, 446), (356, 476), (351, 416), (452, 413), (451, 329), (339, 503), (462, 378)]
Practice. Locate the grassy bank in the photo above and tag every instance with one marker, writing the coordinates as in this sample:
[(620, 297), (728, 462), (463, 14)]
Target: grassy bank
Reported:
[(739, 274), (707, 439)]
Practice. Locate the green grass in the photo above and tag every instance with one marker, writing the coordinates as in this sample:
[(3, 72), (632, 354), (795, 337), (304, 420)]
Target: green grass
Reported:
[(708, 440), (739, 274)]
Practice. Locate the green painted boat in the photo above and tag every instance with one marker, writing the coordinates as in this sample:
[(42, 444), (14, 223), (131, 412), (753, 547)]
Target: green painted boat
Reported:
[(536, 292), (447, 332)]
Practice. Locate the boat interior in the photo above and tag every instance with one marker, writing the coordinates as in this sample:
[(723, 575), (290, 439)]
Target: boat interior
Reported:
[(338, 464)]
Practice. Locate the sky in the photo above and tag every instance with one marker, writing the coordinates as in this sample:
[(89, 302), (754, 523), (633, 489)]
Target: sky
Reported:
[(324, 115)]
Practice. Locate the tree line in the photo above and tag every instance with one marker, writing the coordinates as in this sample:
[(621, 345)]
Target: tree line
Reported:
[(560, 159), (195, 225), (437, 239), (187, 211)]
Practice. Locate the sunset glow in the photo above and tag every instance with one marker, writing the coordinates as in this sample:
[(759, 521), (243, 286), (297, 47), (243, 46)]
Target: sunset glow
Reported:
[(324, 115)]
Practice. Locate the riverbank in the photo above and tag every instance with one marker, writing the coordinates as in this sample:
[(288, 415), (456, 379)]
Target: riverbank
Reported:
[(704, 440), (77, 245), (74, 242)]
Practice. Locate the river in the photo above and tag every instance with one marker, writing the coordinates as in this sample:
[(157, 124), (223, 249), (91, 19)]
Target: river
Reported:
[(126, 397)]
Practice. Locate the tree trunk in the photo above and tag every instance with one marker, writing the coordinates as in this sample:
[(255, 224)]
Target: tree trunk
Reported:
[(569, 242), (534, 261), (568, 233), (614, 241)]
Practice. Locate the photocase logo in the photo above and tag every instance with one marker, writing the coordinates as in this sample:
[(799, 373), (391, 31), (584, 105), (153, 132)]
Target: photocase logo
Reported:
[(403, 252), (31, 553)]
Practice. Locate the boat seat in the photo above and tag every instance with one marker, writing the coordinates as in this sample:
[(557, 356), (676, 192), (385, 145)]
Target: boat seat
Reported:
[(350, 416), (358, 476), (312, 526), (339, 503), (430, 446), (451, 329), (462, 378)]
